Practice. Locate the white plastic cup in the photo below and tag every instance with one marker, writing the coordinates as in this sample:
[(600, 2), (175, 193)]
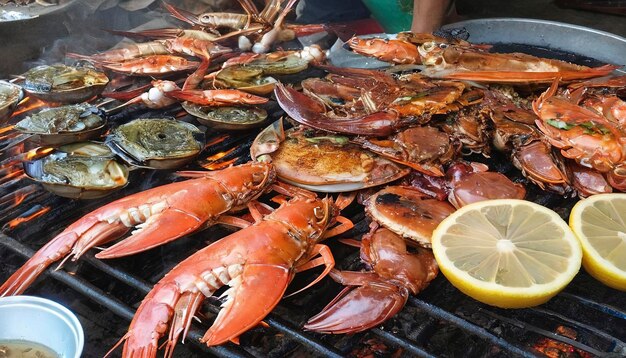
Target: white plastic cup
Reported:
[(36, 319)]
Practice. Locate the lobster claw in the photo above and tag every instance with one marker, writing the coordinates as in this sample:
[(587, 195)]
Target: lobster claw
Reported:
[(251, 297), (361, 308), (168, 225), (307, 111)]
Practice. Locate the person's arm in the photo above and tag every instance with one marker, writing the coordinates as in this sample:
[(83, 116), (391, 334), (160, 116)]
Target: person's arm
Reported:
[(428, 14)]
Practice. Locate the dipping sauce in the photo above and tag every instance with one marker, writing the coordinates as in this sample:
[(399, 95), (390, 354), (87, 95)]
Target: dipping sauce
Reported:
[(25, 349)]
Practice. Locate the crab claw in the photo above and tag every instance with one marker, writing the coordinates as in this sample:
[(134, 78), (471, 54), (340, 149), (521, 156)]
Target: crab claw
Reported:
[(361, 308), (617, 177), (309, 112)]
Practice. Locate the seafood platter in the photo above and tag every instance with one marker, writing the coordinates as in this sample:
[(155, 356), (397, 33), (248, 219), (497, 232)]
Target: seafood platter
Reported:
[(218, 185)]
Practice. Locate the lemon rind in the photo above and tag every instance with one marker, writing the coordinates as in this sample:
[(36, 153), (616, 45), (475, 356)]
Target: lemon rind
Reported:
[(597, 266)]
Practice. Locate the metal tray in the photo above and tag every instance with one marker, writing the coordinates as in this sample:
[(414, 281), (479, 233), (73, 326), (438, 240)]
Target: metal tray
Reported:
[(537, 37), (579, 40)]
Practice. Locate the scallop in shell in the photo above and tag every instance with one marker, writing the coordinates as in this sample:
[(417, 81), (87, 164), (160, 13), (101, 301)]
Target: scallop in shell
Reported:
[(65, 124), (64, 84), (10, 96), (156, 143), (227, 118), (85, 170)]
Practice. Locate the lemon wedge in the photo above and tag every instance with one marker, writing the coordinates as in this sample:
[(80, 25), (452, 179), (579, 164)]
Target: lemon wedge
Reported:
[(599, 222), (507, 253)]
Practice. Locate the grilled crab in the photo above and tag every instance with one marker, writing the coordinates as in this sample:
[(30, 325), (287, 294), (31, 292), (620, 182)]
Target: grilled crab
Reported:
[(322, 162)]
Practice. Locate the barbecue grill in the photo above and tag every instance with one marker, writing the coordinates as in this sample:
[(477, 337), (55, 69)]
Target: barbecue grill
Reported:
[(586, 319), (440, 321)]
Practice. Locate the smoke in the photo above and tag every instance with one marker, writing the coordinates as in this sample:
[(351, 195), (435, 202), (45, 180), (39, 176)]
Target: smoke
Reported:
[(80, 27)]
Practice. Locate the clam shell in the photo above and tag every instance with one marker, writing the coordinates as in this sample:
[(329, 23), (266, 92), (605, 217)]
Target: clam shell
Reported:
[(287, 65)]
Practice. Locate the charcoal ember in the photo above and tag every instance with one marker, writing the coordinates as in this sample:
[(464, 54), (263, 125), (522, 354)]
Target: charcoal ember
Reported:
[(374, 347), (555, 349)]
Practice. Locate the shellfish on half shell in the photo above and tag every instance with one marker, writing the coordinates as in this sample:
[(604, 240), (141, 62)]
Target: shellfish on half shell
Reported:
[(85, 170), (156, 143)]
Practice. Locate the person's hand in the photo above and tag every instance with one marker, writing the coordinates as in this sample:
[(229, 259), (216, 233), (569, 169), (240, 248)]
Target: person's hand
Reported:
[(428, 15)]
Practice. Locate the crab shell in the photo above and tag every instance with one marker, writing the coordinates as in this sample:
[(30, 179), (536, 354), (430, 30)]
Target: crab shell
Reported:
[(479, 186), (587, 181), (408, 213), (541, 166), (469, 126), (325, 164), (422, 148), (387, 254)]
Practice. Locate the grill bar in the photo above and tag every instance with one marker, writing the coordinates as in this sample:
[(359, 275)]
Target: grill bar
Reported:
[(131, 280), (595, 305), (83, 287), (543, 332), (619, 345), (468, 327), (401, 342)]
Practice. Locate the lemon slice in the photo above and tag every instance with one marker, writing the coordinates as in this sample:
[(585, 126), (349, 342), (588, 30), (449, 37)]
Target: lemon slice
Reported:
[(507, 253), (599, 222)]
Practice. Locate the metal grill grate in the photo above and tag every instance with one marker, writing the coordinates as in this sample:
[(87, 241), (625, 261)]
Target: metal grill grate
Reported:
[(441, 321)]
